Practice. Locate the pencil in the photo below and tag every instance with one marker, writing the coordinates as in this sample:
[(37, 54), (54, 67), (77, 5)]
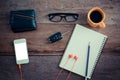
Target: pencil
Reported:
[(87, 61)]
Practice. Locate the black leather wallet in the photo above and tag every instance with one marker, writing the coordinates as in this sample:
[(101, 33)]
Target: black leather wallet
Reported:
[(22, 20)]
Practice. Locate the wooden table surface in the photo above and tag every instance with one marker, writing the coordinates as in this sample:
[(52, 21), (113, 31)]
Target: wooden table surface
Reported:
[(45, 57)]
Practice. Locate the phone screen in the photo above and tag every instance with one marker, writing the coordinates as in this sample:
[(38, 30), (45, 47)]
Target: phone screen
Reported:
[(21, 51)]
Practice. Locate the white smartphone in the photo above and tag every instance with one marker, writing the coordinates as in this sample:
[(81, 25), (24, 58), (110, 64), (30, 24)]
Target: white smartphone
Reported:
[(21, 52)]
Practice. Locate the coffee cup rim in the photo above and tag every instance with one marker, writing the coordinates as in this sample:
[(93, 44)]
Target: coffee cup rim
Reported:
[(96, 9)]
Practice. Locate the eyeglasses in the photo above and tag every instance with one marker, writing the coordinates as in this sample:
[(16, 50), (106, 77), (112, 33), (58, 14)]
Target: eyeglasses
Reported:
[(68, 17)]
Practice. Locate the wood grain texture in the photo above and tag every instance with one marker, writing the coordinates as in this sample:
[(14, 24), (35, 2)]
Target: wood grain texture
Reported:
[(37, 40), (44, 67)]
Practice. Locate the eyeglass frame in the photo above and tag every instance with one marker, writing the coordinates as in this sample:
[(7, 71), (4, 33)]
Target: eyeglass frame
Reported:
[(63, 16)]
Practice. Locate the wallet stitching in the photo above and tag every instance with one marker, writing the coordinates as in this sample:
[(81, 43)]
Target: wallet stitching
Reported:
[(24, 16)]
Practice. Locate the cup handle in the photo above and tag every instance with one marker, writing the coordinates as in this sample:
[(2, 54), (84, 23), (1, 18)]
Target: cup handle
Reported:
[(102, 25)]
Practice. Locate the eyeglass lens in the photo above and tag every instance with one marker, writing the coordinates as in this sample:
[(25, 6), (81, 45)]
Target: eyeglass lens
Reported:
[(71, 18), (55, 18)]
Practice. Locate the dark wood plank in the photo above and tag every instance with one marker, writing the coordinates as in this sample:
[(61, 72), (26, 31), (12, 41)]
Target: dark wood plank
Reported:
[(38, 40), (43, 8), (46, 68)]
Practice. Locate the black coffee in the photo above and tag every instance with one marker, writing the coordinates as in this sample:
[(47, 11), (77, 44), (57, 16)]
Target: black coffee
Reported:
[(96, 16)]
